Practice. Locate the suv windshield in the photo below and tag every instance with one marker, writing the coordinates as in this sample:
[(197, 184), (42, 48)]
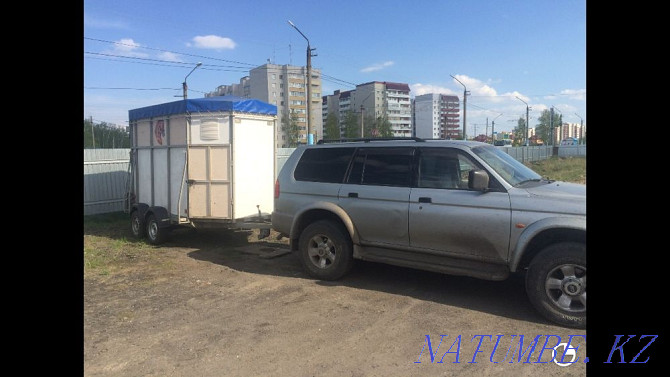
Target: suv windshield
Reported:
[(506, 166)]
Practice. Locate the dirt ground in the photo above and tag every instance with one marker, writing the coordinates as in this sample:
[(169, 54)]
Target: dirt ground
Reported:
[(224, 304)]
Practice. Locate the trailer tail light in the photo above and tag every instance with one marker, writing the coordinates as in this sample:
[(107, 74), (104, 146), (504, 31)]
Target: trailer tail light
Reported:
[(277, 188)]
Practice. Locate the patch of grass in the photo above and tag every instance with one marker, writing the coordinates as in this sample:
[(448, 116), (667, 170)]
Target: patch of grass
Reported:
[(106, 222), (108, 243), (568, 169)]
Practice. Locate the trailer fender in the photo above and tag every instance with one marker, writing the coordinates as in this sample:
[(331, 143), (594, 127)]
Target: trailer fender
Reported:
[(141, 208), (161, 214)]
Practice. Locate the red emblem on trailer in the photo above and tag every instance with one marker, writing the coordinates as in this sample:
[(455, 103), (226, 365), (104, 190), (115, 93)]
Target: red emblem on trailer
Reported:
[(159, 131)]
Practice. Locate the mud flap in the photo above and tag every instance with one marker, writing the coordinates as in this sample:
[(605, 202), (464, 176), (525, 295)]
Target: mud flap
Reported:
[(263, 233)]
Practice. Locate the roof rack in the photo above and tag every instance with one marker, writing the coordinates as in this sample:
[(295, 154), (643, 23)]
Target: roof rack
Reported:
[(369, 139)]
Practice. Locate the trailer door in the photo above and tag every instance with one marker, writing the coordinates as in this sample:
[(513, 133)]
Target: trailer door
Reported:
[(209, 189)]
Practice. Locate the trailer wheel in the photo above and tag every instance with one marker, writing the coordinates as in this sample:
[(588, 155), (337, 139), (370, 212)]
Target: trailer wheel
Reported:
[(155, 234), (137, 226)]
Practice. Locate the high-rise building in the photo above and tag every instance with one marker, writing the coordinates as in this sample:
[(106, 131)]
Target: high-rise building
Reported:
[(286, 87), (436, 116), (375, 99), (567, 130)]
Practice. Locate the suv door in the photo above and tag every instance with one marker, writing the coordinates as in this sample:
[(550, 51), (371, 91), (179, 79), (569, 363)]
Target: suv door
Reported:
[(376, 195), (448, 218)]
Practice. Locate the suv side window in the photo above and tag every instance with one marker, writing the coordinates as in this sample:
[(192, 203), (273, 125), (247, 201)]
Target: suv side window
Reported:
[(382, 167), (445, 168), (323, 165)]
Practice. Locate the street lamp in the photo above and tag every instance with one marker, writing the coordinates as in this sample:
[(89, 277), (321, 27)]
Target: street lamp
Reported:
[(465, 96), (310, 134), (183, 85), (581, 128), (525, 134), (560, 126), (493, 127)]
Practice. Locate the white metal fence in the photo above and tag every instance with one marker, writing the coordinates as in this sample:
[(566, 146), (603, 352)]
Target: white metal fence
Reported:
[(105, 175), (523, 154), (106, 171), (526, 154), (572, 150)]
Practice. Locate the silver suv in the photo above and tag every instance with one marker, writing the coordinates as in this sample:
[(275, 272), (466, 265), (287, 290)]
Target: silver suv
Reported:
[(456, 207)]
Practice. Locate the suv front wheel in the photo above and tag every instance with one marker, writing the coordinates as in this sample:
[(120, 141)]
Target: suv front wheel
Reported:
[(326, 250), (556, 283)]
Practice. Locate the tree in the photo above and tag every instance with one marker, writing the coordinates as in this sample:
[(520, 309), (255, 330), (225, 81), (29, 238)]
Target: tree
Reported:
[(332, 128), (289, 124), (104, 135), (543, 129), (518, 131), (383, 127), (352, 129), (377, 127)]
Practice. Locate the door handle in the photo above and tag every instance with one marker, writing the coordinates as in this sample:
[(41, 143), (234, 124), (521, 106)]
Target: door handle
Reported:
[(425, 200), (353, 195)]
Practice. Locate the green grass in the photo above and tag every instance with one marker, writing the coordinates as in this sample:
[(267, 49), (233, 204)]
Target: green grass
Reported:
[(108, 243), (568, 169)]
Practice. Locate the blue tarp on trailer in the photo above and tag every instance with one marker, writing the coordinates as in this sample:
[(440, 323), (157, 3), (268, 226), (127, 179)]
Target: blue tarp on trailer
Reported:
[(203, 105)]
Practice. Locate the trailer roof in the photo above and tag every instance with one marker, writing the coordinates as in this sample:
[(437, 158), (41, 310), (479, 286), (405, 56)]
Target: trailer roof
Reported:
[(204, 105)]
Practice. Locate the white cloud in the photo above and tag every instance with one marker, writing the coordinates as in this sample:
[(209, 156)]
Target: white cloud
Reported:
[(377, 66), (576, 94), (103, 24), (212, 42), (419, 89), (128, 47), (169, 56)]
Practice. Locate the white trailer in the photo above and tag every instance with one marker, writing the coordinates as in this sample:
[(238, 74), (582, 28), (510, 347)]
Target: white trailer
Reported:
[(206, 162)]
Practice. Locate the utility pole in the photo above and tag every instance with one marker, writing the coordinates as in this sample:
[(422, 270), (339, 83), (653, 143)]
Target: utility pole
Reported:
[(551, 126), (581, 128), (310, 133), (524, 141), (362, 128), (560, 126), (184, 86), (486, 133), (92, 132), (465, 101), (493, 125)]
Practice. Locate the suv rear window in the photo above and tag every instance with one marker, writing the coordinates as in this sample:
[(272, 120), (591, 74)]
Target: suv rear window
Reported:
[(323, 165), (382, 166)]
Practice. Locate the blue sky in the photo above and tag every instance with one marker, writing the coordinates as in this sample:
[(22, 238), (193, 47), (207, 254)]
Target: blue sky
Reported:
[(533, 49)]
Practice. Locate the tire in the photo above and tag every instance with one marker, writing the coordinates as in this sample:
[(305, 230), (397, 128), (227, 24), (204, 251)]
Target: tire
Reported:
[(556, 283), (155, 234), (137, 226), (326, 251)]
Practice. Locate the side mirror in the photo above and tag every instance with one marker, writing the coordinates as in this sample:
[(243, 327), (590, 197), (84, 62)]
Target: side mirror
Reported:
[(478, 180)]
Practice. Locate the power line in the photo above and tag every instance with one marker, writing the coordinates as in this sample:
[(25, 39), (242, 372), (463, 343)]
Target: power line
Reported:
[(107, 88), (163, 50), (170, 63)]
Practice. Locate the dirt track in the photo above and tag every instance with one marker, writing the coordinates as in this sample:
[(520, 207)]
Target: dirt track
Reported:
[(211, 304)]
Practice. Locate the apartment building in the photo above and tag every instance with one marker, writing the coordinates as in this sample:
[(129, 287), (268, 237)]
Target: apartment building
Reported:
[(567, 130), (375, 99), (286, 87), (436, 116)]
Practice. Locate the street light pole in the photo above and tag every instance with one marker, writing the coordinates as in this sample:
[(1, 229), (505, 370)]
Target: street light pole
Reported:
[(493, 125), (581, 128), (465, 98), (560, 125), (184, 87), (310, 133), (525, 134)]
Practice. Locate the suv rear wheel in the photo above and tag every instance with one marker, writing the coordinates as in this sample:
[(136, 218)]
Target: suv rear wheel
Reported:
[(326, 250), (556, 283)]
